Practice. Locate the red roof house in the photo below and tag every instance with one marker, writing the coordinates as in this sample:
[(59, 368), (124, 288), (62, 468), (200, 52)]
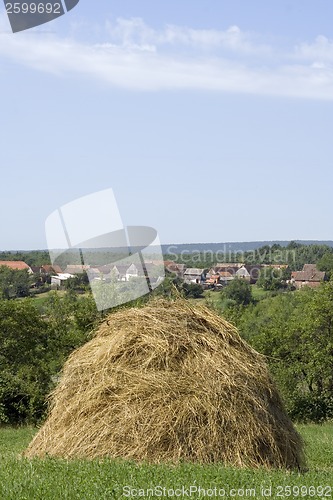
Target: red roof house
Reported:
[(309, 276), (16, 265)]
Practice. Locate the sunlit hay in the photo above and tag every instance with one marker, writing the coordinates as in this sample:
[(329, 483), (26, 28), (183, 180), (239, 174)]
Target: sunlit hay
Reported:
[(168, 382)]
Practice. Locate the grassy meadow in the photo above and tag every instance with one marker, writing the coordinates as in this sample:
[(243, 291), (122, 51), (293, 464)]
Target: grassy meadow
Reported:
[(52, 479)]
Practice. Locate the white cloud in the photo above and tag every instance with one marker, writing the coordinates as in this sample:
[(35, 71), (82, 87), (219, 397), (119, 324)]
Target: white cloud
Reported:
[(134, 32), (138, 57), (320, 50)]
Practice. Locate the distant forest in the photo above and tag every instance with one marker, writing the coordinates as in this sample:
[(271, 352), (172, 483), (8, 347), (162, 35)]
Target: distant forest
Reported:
[(294, 253)]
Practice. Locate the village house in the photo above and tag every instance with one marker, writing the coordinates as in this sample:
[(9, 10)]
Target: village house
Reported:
[(175, 268), (227, 267), (119, 272), (309, 276), (94, 274), (46, 269), (103, 273), (60, 279), (225, 277), (194, 275), (16, 265), (132, 272), (249, 273), (140, 271), (125, 272), (76, 269), (212, 282), (229, 271), (217, 279)]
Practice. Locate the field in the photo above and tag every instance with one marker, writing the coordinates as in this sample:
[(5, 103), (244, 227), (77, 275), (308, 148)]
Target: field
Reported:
[(214, 298), (52, 479)]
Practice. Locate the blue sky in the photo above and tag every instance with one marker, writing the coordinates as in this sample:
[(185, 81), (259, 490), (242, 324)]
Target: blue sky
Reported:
[(212, 121)]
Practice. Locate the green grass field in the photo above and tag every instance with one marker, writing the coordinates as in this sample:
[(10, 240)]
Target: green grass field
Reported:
[(104, 479)]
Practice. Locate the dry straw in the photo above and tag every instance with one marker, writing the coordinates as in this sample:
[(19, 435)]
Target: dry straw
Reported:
[(167, 382)]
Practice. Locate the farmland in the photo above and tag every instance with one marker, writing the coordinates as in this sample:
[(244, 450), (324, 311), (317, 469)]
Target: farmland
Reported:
[(103, 479)]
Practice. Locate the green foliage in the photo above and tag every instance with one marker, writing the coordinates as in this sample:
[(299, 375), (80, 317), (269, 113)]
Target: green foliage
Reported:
[(294, 254), (85, 314), (171, 285), (295, 332), (70, 320), (272, 279), (80, 282), (239, 292), (326, 264), (192, 290), (13, 284), (32, 258), (24, 378), (33, 348)]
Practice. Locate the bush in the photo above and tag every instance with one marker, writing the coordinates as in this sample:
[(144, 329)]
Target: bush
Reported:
[(239, 292), (311, 408), (294, 331), (192, 290), (273, 279), (22, 399), (33, 350), (25, 378)]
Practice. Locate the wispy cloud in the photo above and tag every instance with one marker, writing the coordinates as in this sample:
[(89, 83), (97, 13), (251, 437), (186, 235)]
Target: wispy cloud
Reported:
[(137, 57), (321, 50), (135, 32)]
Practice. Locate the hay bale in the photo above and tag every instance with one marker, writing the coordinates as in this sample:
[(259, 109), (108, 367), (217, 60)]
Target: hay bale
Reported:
[(168, 382)]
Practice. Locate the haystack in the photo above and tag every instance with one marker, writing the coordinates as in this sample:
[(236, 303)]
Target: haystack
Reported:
[(168, 382)]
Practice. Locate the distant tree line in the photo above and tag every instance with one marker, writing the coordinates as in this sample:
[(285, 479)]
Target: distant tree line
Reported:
[(294, 254), (32, 258)]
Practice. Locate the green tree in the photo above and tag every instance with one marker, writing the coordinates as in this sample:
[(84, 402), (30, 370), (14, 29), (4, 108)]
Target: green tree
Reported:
[(25, 378), (14, 283), (80, 282), (192, 290), (33, 348), (295, 332), (272, 279), (239, 292), (70, 320), (326, 264)]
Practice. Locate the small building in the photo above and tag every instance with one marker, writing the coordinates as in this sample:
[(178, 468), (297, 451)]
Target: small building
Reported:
[(119, 271), (309, 276), (225, 277), (76, 269), (194, 275), (212, 282), (249, 273), (16, 265), (94, 274), (132, 272), (60, 279), (46, 269), (228, 267), (175, 268), (52, 269)]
